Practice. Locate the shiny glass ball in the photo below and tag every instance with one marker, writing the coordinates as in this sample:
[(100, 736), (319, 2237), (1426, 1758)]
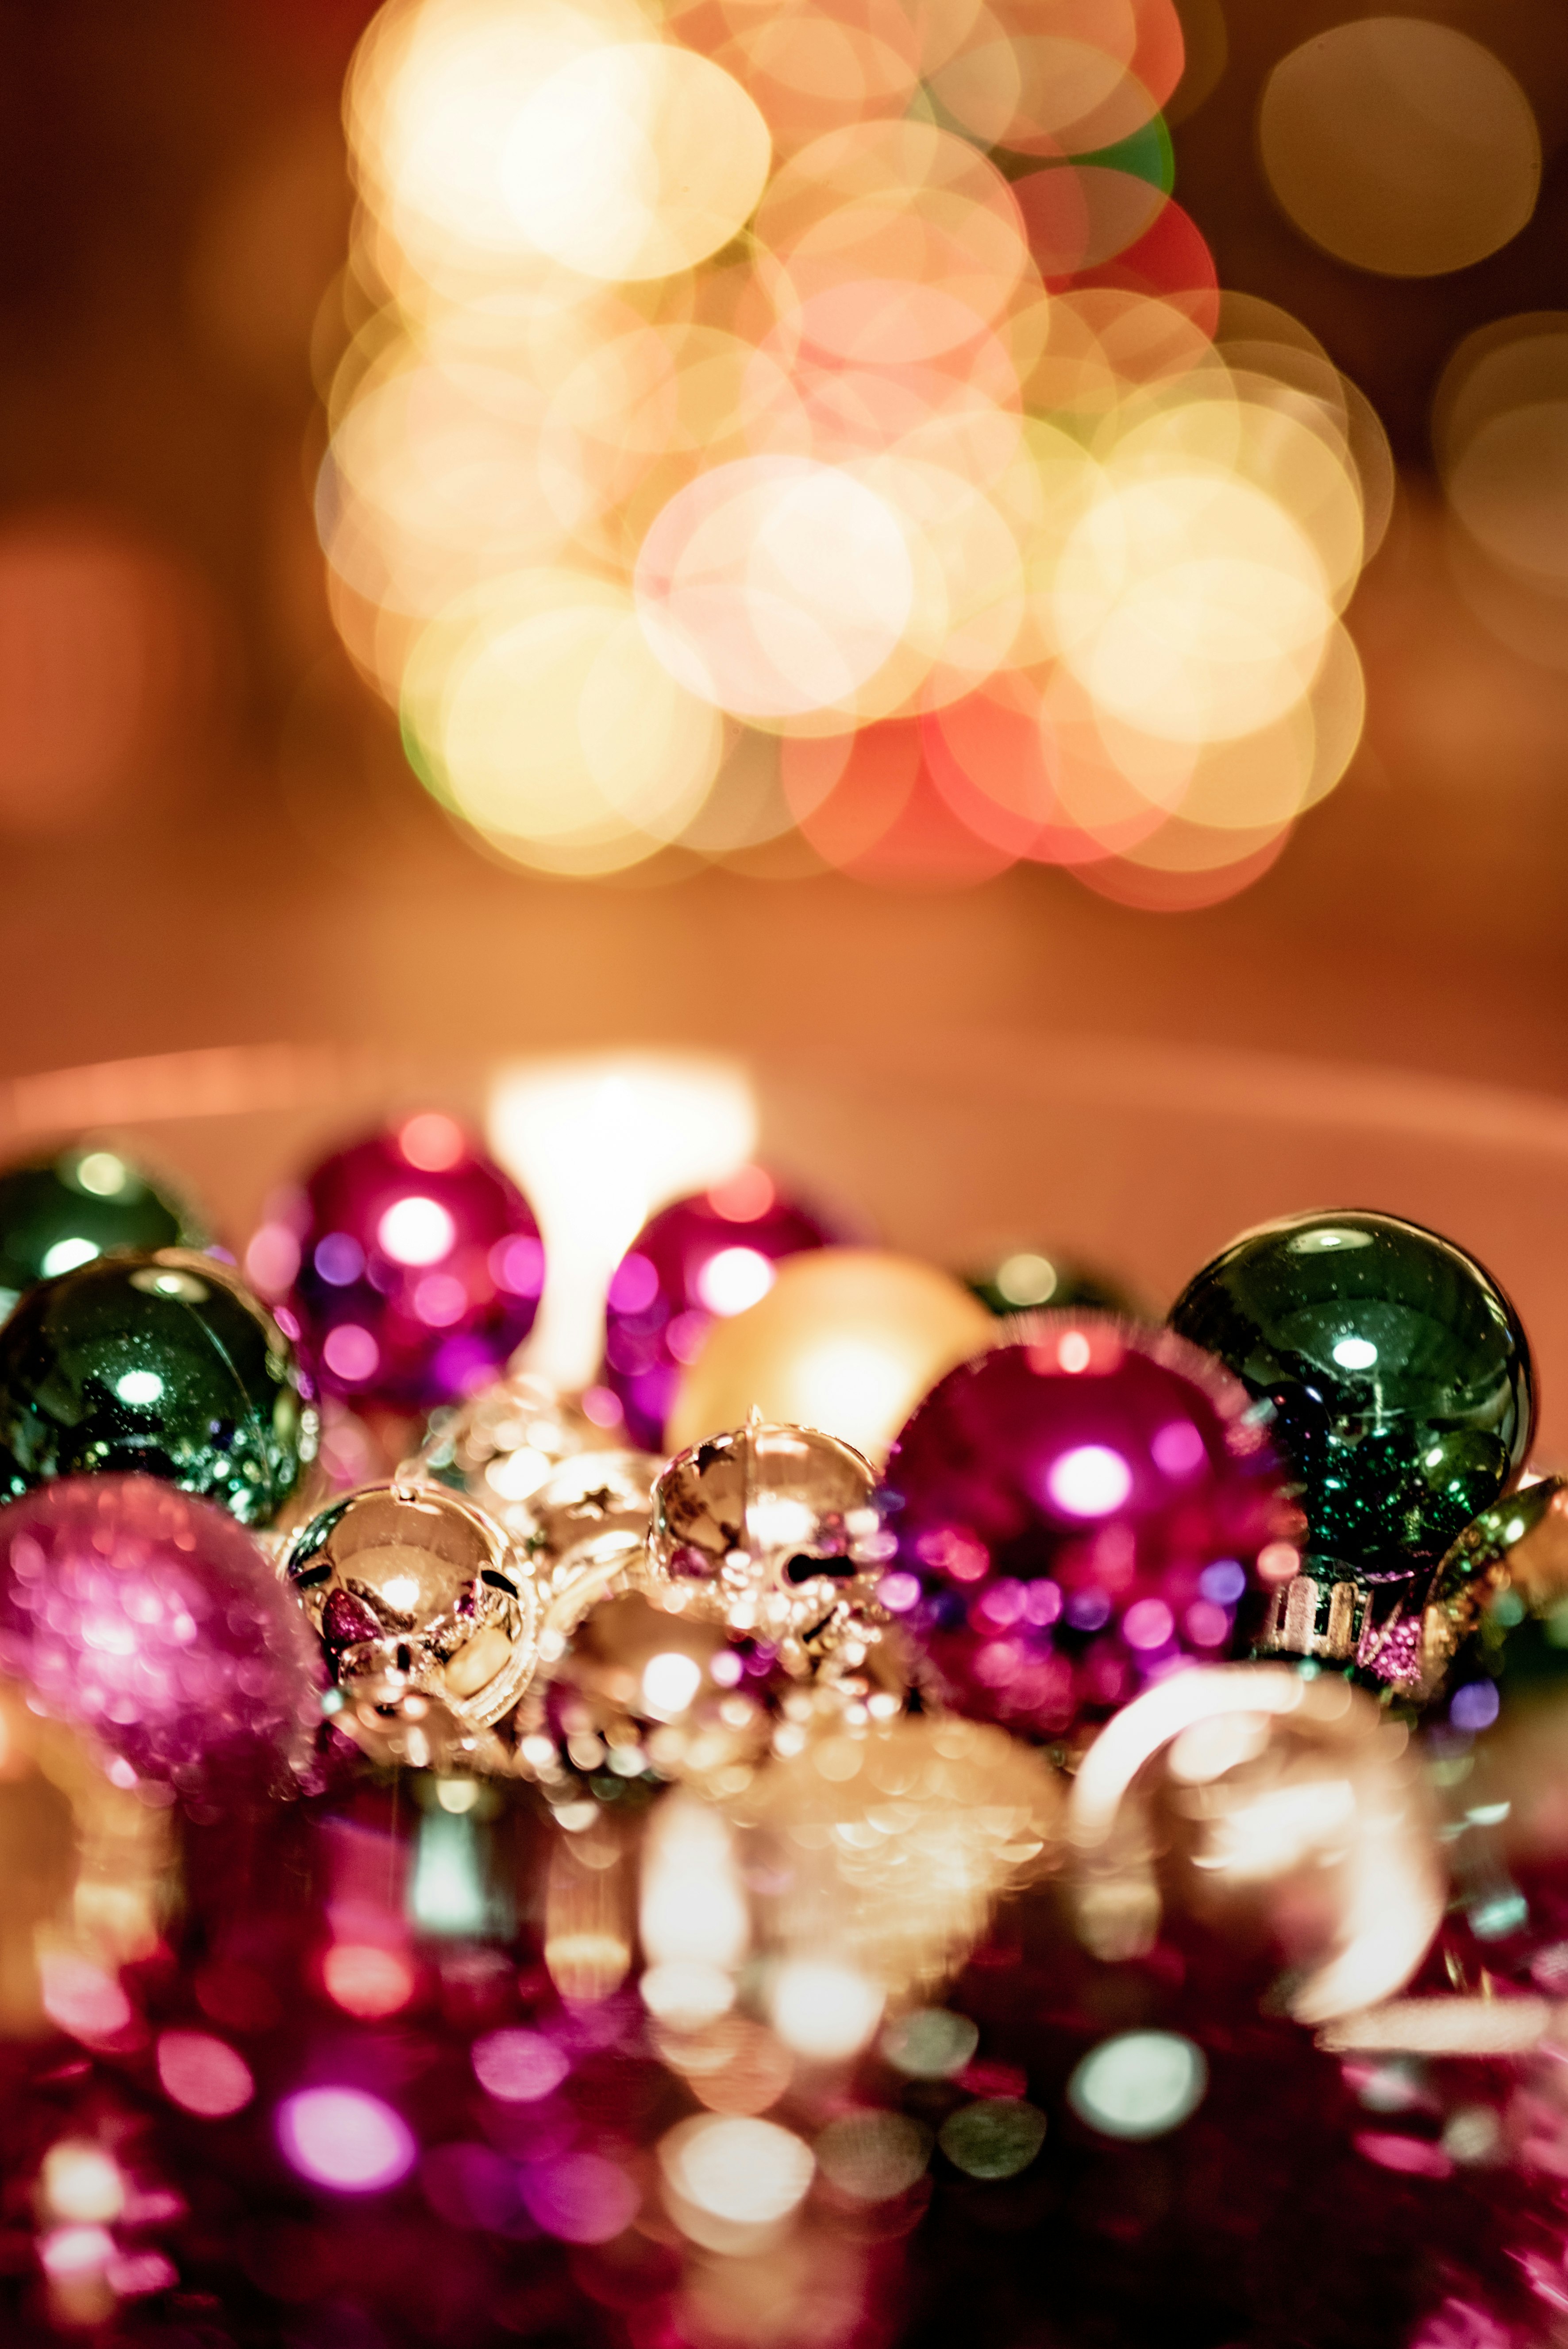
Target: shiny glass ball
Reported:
[(65, 1208), (163, 1363), (507, 1441), (846, 1338), (585, 1531), (700, 1260), (409, 1584), (1397, 1371), (776, 1532), (1076, 1514), (1493, 1629), (1030, 1279), (148, 1617), (419, 1267)]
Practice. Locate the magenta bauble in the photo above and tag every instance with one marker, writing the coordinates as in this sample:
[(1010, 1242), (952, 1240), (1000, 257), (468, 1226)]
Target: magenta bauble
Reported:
[(150, 1617), (1077, 1513), (420, 1266), (696, 1262)]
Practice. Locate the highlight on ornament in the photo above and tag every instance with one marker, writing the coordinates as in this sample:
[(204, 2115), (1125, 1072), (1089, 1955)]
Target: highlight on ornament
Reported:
[(741, 1844), (827, 427)]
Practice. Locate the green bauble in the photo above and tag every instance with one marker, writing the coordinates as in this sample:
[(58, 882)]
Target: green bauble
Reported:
[(1396, 1371), (1027, 1277), (162, 1362), (64, 1209)]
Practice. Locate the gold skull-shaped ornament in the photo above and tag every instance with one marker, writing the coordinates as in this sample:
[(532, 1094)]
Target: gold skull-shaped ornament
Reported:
[(411, 1583)]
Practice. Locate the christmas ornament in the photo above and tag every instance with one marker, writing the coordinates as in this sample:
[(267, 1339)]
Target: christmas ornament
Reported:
[(1023, 1280), (1399, 1381), (506, 1442), (87, 1200), (702, 1259), (396, 1724), (420, 1268), (847, 1339), (164, 1364), (1287, 1813), (635, 1694), (634, 1675), (583, 1534), (85, 1859), (883, 1845), (409, 1583), (775, 1532), (1510, 1566), (152, 1619), (1076, 1514)]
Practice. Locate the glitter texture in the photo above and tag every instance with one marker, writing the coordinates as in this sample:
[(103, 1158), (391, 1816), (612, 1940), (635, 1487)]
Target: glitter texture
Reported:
[(134, 1610)]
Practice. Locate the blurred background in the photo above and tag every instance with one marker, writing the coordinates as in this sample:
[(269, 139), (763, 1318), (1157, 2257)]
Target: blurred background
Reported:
[(212, 840)]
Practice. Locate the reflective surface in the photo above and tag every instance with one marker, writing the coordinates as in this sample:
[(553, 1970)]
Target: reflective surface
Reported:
[(847, 1339), (1024, 1280), (165, 1364), (507, 1441), (58, 1212), (1495, 1624), (151, 1620), (1075, 1513), (1398, 1373), (86, 1867), (775, 1529), (416, 1266), (585, 1531), (888, 1844), (410, 1582), (700, 1260), (1284, 1813)]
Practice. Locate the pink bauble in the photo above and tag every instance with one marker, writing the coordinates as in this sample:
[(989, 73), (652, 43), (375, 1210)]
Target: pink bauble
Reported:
[(150, 1617), (1078, 1513), (416, 1266), (698, 1261)]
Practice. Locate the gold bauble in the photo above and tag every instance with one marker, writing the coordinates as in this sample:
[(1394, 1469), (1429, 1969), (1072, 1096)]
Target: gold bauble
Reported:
[(506, 1442), (887, 1842), (584, 1534), (1521, 1545), (1286, 1813), (775, 1532), (411, 1583), (395, 1723), (85, 1862), (847, 1339)]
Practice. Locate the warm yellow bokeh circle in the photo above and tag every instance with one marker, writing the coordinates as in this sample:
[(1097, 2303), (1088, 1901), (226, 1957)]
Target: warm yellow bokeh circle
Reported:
[(847, 1341)]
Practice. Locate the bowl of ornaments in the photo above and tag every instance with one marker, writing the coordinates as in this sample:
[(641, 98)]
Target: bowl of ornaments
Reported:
[(600, 1740)]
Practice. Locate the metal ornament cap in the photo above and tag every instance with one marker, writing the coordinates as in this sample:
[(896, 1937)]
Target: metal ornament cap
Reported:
[(412, 1584), (775, 1530)]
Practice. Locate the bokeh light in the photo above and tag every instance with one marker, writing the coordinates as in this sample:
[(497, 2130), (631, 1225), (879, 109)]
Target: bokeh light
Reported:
[(995, 2136), (732, 2182), (344, 2139), (1401, 145), (203, 2074), (823, 416), (1500, 432), (1142, 2083)]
